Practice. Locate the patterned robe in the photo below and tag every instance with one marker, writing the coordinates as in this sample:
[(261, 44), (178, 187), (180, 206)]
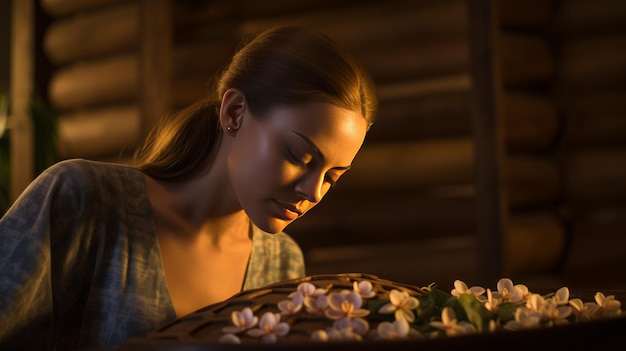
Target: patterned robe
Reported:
[(80, 264)]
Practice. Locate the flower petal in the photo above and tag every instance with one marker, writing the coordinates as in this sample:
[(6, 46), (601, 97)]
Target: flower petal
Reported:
[(387, 309), (335, 300), (405, 315), (505, 283), (361, 312), (281, 329), (477, 290), (402, 327), (334, 314), (306, 288), (229, 339), (319, 335), (384, 329), (355, 299), (412, 303), (269, 319), (448, 316), (360, 326), (460, 287), (396, 297)]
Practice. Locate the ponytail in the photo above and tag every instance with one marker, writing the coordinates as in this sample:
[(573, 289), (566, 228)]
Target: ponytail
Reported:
[(180, 143)]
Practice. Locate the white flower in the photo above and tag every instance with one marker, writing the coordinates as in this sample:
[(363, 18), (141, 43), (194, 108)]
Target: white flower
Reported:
[(536, 302), (554, 314), (308, 290), (401, 304), (491, 303), (317, 306), (561, 297), (399, 329), (270, 327), (345, 329), (310, 294), (523, 289), (241, 321), (292, 306), (509, 292), (450, 325), (608, 306), (525, 318), (584, 311), (346, 311), (461, 288), (345, 304), (364, 288), (356, 325)]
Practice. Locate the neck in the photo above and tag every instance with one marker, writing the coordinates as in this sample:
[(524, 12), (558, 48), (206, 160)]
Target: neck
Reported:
[(202, 204)]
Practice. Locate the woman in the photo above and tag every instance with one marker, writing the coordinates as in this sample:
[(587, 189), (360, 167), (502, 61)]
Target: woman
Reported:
[(92, 254)]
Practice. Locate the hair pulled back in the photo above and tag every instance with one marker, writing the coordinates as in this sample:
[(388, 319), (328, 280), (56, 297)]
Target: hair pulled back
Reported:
[(286, 65)]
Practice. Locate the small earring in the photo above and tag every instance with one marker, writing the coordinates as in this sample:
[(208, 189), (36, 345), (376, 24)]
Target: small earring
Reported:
[(229, 129)]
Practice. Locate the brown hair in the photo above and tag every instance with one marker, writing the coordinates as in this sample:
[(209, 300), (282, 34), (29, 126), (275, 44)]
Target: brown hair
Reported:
[(282, 66)]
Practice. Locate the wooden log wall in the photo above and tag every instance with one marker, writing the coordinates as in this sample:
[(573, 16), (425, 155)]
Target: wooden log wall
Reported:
[(94, 48), (591, 94), (536, 234), (430, 171), (413, 183)]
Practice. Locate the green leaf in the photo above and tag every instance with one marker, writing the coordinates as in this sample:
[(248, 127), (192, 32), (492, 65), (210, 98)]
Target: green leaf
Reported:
[(475, 311), (459, 311), (431, 304), (506, 311)]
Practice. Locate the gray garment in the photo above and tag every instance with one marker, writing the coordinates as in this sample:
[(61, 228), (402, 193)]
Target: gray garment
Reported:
[(80, 264)]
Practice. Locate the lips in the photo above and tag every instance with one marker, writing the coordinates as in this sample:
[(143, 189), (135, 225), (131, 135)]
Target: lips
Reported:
[(287, 211)]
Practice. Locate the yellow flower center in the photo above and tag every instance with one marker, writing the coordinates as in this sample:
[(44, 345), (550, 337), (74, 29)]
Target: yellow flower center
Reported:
[(347, 307)]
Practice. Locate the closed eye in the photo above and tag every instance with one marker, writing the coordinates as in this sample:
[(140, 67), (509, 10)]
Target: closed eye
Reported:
[(293, 158), (333, 177), (298, 161)]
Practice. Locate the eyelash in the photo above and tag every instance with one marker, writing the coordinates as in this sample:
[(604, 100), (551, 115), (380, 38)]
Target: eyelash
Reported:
[(296, 160), (331, 181)]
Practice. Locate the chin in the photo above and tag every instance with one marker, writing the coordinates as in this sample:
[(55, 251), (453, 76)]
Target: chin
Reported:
[(272, 225)]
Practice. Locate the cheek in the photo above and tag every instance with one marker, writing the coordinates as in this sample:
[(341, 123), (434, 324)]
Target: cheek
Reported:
[(254, 163)]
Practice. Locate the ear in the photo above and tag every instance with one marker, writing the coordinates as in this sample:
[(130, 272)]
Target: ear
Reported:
[(232, 110)]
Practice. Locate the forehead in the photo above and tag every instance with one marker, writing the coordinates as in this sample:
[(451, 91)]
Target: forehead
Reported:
[(337, 132)]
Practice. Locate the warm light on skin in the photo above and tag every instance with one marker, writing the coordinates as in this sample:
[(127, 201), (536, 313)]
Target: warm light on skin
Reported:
[(283, 163), (319, 153)]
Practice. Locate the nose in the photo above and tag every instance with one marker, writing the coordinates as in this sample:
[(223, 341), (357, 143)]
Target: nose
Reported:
[(311, 187)]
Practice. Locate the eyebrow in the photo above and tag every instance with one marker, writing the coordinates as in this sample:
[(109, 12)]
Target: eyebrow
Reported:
[(318, 151)]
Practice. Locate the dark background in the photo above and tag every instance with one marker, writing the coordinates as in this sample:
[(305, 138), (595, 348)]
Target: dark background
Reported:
[(413, 208)]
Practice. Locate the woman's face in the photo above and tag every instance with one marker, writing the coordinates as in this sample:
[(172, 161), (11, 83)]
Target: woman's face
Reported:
[(282, 164)]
